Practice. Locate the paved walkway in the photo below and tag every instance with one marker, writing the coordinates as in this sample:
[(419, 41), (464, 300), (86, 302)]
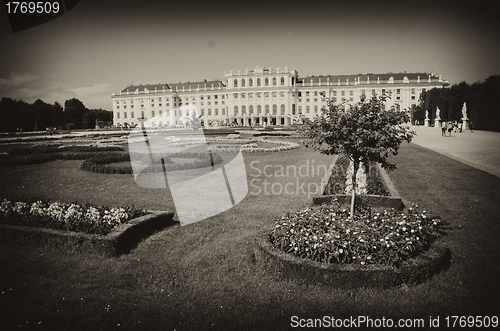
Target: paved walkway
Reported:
[(479, 149)]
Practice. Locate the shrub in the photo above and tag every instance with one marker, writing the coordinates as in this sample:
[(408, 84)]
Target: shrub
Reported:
[(328, 234), (374, 183)]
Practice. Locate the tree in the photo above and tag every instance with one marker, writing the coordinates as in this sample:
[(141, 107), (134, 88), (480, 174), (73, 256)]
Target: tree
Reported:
[(364, 132), (74, 110)]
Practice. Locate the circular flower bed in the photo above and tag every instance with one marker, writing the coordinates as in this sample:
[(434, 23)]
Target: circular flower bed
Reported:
[(103, 163), (328, 234)]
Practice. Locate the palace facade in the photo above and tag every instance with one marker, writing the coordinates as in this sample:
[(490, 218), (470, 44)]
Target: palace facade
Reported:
[(262, 95)]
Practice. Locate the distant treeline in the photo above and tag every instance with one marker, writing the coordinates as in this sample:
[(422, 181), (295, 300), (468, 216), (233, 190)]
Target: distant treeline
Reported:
[(40, 115), (481, 99)]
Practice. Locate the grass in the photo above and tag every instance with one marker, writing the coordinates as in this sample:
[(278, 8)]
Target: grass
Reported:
[(202, 276)]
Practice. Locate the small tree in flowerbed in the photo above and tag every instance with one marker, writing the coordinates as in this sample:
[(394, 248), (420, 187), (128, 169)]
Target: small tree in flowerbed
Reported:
[(364, 132)]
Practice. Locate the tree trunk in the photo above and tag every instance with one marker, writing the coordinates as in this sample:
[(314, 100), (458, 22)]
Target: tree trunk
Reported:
[(355, 165)]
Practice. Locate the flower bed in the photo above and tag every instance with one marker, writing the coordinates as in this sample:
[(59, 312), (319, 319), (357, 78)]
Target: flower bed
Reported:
[(327, 234), (70, 217), (324, 245)]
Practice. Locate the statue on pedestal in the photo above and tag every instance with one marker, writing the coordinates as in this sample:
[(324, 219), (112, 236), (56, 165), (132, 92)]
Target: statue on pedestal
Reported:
[(438, 113), (464, 111), (426, 114)]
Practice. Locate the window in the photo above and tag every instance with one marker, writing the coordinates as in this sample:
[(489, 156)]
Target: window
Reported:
[(235, 83), (266, 94), (300, 109), (131, 114), (125, 114), (259, 109), (250, 82), (242, 83), (275, 109), (307, 109), (243, 95), (307, 93), (258, 95), (125, 106), (398, 91), (161, 113), (274, 81), (413, 97), (168, 113), (315, 109), (152, 114), (412, 91), (282, 80), (235, 110), (216, 112), (266, 109), (117, 107), (315, 93), (202, 112), (274, 94), (187, 112), (334, 93), (351, 92), (266, 81), (315, 99), (282, 109), (243, 110), (282, 94), (258, 81), (250, 109), (235, 95), (250, 95), (118, 115), (210, 112), (180, 112)]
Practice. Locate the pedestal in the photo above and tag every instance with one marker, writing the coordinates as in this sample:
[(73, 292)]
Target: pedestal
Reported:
[(437, 123), (427, 122), (465, 125)]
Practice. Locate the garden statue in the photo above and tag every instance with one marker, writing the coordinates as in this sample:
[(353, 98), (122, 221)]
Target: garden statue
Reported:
[(464, 111), (426, 114), (438, 112)]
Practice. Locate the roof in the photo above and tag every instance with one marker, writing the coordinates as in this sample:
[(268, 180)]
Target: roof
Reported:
[(152, 88), (370, 78)]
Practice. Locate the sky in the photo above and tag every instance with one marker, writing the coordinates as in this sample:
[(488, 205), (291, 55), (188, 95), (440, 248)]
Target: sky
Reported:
[(102, 46)]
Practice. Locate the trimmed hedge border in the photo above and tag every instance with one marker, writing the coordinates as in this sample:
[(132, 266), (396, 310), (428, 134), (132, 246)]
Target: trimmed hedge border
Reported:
[(375, 201), (119, 241), (304, 271)]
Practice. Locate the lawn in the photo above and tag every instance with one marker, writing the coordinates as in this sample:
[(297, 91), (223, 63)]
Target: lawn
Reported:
[(203, 276)]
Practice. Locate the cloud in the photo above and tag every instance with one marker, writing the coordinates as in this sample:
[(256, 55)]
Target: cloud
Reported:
[(29, 88), (15, 80)]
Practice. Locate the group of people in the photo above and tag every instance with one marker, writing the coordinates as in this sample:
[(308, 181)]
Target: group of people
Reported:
[(449, 126)]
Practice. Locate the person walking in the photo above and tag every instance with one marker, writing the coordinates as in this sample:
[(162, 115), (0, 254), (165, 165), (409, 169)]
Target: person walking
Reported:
[(449, 126), (443, 129), (471, 127)]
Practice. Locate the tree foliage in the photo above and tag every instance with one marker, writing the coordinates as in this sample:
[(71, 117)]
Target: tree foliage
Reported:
[(364, 132), (20, 114), (480, 98)]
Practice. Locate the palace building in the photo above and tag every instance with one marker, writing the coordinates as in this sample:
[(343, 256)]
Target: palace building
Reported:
[(262, 95)]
